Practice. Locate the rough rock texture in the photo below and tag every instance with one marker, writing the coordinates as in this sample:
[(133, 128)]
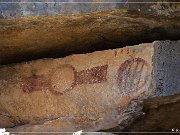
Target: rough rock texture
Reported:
[(167, 67), (133, 89), (161, 114), (159, 7), (94, 91), (56, 7), (41, 7), (31, 38), (77, 92)]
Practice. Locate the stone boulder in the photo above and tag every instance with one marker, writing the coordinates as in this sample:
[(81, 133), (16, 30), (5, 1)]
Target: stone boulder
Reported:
[(89, 92)]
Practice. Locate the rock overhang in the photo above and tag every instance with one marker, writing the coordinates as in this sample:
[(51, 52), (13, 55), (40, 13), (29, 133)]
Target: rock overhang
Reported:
[(94, 91)]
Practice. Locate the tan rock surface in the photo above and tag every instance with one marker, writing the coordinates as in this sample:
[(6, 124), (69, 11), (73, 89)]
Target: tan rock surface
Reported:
[(30, 38), (89, 92)]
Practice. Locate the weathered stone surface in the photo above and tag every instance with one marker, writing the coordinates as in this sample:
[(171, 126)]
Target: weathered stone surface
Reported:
[(31, 38), (41, 7), (163, 7), (77, 92), (161, 114), (167, 67), (95, 91)]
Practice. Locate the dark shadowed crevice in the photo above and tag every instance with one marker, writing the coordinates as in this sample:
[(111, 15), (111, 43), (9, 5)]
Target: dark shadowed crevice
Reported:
[(99, 45)]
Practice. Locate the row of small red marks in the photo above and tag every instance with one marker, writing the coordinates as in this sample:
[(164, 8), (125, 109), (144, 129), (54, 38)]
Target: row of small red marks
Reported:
[(127, 51), (91, 76), (35, 83)]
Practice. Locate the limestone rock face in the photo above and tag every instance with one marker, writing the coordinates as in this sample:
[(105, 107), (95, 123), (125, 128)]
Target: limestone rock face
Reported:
[(94, 91)]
